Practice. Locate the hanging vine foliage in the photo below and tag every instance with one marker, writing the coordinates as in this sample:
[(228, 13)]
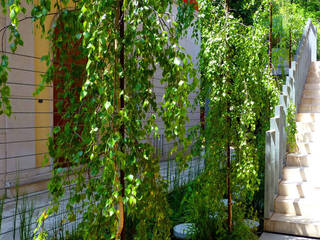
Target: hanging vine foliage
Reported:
[(240, 92), (104, 55)]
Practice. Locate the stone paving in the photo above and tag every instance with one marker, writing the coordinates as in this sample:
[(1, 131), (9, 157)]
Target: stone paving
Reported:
[(272, 236)]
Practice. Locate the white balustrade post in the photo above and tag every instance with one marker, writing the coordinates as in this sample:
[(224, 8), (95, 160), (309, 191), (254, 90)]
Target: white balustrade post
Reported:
[(269, 173)]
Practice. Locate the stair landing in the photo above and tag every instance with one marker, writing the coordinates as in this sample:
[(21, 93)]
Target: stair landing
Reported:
[(272, 236), (297, 206)]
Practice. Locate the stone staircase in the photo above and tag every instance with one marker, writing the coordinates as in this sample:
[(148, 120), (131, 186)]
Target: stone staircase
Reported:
[(297, 206)]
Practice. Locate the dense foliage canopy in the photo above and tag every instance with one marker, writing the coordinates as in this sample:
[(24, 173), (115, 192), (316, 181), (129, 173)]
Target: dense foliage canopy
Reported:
[(100, 151), (240, 93), (104, 55)]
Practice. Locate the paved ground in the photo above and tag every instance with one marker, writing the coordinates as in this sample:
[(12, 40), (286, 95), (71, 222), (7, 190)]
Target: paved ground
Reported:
[(271, 236)]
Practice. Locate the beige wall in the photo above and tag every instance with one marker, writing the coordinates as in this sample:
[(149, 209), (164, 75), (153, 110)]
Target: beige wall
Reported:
[(192, 48), (41, 48), (2, 137), (18, 151)]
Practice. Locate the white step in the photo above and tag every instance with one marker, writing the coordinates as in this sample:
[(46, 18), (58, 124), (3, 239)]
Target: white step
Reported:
[(295, 225), (308, 117), (311, 100), (315, 67), (303, 160), (303, 127), (312, 86), (309, 108), (308, 136), (308, 147), (273, 236), (311, 93), (297, 189), (300, 174), (297, 206), (313, 78)]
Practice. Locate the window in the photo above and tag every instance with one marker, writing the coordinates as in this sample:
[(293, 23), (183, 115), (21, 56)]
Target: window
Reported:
[(68, 79)]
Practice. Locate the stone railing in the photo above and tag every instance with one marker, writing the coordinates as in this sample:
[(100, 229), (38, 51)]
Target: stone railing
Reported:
[(276, 138)]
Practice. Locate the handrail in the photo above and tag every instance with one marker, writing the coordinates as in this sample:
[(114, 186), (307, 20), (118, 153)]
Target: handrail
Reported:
[(276, 137)]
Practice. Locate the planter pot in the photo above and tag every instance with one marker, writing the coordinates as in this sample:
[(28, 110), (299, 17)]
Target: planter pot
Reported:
[(183, 231)]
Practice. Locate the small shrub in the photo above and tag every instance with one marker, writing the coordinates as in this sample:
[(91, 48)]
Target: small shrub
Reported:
[(291, 128), (1, 212), (26, 213)]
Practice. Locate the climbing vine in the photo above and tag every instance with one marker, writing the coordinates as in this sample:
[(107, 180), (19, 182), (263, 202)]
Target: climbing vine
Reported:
[(291, 127)]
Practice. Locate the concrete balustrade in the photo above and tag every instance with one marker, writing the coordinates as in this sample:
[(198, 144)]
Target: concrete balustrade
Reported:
[(292, 91)]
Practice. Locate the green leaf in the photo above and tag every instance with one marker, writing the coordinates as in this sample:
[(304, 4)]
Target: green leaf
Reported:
[(177, 61), (130, 177), (107, 105), (56, 129)]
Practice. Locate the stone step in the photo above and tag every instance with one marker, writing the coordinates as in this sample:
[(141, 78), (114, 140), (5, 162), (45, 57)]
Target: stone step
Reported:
[(297, 206), (314, 67), (311, 100), (297, 189), (311, 93), (308, 147), (307, 127), (300, 174), (292, 224), (273, 236), (309, 108), (312, 86), (313, 78), (302, 160), (308, 117), (308, 136)]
